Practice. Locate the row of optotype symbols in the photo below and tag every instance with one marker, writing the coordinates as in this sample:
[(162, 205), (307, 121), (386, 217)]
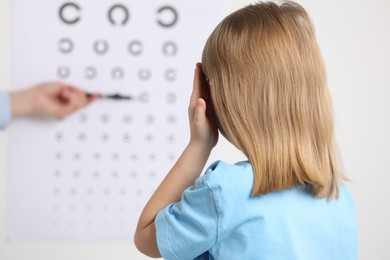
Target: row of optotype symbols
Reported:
[(101, 47), (117, 73), (70, 13), (105, 137), (77, 156)]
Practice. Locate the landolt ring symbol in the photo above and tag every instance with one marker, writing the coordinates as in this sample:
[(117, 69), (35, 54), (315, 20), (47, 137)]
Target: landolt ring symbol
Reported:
[(124, 10), (174, 18), (65, 19)]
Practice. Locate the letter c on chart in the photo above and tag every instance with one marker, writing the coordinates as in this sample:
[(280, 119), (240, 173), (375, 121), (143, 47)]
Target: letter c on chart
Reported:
[(124, 11), (69, 18), (167, 21)]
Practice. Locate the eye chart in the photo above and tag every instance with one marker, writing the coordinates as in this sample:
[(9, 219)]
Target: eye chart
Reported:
[(88, 176)]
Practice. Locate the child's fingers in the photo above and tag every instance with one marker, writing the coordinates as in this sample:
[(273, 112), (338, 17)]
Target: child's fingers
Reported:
[(200, 111), (196, 85), (194, 95)]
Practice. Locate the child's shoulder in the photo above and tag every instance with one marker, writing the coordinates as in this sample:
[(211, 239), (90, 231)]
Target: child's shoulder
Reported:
[(221, 175), (221, 167), (236, 180)]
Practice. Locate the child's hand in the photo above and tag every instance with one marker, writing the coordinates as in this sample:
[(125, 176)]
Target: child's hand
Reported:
[(49, 99), (204, 130)]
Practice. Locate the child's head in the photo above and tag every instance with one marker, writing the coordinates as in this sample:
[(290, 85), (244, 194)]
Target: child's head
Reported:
[(268, 87)]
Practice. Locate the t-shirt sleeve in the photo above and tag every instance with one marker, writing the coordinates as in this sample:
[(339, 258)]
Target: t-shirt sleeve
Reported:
[(187, 229), (5, 110)]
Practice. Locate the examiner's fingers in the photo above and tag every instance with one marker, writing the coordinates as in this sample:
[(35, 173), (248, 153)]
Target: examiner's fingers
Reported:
[(73, 99), (79, 96), (91, 98)]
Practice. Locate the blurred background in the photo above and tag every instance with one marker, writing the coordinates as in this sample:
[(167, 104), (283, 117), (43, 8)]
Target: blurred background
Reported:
[(354, 37)]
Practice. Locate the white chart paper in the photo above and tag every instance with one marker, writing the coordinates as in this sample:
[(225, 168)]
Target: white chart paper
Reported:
[(88, 176)]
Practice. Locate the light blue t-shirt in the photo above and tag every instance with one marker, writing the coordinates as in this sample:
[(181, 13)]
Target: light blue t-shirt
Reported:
[(218, 219), (5, 110)]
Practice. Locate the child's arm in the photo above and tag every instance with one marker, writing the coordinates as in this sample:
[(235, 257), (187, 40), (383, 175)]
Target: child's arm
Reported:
[(204, 136)]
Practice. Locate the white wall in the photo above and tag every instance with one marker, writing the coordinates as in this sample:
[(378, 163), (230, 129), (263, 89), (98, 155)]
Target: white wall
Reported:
[(355, 37)]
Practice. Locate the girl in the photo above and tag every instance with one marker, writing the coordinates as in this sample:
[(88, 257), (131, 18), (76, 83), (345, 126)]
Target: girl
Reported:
[(263, 80)]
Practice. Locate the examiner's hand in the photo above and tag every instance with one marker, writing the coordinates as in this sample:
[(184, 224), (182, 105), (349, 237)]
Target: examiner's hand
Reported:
[(204, 130), (52, 99)]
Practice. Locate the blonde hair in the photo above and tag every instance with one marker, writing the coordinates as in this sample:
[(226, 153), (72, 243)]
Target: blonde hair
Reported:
[(268, 88)]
